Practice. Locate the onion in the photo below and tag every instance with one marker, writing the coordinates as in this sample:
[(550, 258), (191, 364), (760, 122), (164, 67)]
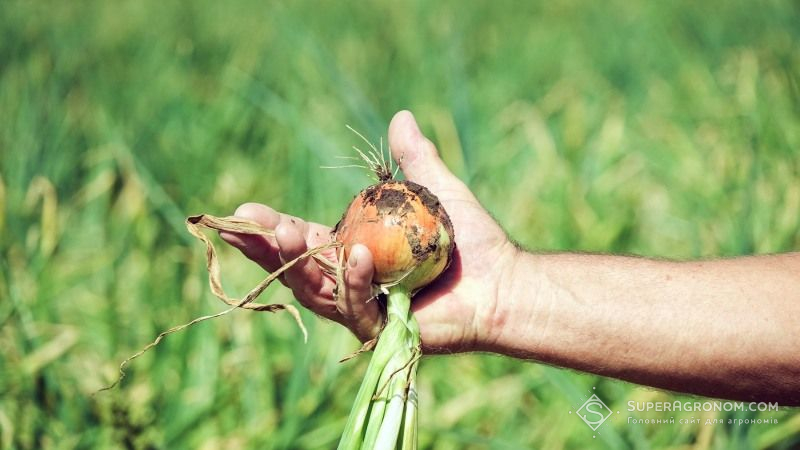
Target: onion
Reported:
[(405, 228), (410, 237)]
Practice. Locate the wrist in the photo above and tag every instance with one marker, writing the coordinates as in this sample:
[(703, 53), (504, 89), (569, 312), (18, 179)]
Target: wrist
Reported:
[(499, 314), (515, 328)]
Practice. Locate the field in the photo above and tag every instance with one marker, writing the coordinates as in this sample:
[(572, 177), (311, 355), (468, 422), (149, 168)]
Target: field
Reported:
[(668, 129)]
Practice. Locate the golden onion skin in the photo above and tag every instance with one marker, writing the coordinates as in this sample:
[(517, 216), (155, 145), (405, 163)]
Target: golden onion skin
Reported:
[(405, 228)]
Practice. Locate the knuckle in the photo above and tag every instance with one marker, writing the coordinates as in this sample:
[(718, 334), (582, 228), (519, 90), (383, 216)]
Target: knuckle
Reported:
[(303, 283), (356, 293), (304, 293), (355, 283), (301, 297)]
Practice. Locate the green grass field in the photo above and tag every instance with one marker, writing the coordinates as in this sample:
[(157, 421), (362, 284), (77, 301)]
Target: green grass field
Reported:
[(667, 129)]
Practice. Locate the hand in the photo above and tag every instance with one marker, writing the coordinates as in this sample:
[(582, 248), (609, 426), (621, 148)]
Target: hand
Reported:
[(455, 313)]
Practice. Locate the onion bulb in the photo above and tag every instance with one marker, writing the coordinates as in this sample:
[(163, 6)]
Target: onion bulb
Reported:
[(405, 228)]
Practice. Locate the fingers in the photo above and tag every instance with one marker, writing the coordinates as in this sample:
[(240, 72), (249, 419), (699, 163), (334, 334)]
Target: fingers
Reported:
[(293, 236), (417, 155), (258, 248), (305, 277), (359, 310), (261, 249)]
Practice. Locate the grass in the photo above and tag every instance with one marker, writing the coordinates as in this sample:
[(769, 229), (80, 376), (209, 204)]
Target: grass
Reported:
[(663, 129)]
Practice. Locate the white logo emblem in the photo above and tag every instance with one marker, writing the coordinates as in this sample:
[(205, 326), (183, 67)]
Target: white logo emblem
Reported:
[(594, 412)]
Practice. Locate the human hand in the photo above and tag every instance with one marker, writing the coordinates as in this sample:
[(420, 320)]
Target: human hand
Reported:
[(457, 312)]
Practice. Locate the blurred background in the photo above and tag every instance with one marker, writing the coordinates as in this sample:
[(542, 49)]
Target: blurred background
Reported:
[(667, 129)]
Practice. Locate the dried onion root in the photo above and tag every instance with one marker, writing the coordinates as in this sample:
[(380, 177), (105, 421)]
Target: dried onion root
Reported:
[(195, 224)]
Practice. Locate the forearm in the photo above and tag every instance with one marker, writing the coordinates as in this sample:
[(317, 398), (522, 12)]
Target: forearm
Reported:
[(724, 328)]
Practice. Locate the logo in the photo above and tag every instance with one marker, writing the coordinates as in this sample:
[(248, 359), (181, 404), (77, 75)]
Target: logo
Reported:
[(594, 412)]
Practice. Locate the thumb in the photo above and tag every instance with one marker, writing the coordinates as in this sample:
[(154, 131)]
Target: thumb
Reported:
[(417, 155)]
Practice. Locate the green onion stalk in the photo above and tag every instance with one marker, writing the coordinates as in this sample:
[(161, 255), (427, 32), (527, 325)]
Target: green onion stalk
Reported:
[(385, 409)]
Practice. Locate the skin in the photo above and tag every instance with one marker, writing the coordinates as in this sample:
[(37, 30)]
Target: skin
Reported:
[(723, 328)]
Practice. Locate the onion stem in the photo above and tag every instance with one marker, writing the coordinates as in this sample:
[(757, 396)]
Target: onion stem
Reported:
[(409, 441), (385, 405)]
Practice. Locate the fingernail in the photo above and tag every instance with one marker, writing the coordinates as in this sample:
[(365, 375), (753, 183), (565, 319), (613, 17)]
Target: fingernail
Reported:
[(353, 260), (230, 238)]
